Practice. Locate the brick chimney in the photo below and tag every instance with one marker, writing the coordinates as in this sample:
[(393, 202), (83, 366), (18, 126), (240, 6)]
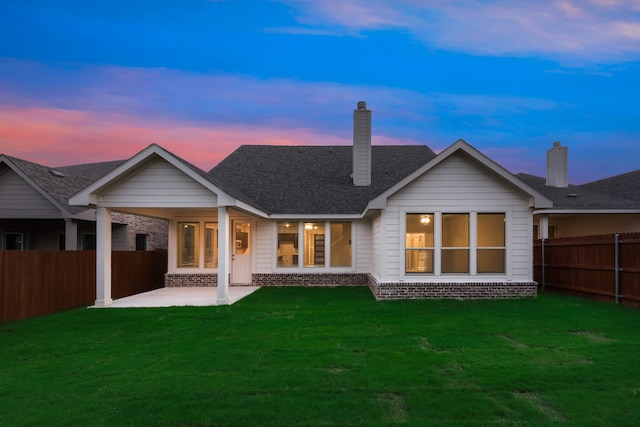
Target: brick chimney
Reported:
[(558, 166), (362, 146)]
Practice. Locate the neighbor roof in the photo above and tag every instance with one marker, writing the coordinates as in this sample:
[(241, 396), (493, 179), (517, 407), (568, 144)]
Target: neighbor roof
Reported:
[(70, 179), (626, 185), (579, 197), (312, 179)]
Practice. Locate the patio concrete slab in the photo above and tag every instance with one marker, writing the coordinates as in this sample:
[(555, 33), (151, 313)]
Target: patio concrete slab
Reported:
[(191, 296)]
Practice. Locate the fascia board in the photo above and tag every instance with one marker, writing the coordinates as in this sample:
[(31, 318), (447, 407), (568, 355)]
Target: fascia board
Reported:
[(315, 216), (585, 211)]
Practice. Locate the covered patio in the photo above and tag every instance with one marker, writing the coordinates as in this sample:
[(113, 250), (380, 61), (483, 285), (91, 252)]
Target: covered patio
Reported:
[(181, 296)]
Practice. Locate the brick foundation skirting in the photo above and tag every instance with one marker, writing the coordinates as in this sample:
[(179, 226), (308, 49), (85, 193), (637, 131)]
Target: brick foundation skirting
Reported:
[(381, 290), (311, 279), (455, 290), (190, 280)]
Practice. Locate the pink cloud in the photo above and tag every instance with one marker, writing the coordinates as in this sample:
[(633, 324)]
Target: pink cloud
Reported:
[(58, 137), (568, 30)]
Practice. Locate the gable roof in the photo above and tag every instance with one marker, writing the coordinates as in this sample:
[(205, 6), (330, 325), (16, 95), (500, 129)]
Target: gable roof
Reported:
[(579, 197), (60, 183), (297, 180), (626, 185), (461, 146), (87, 194)]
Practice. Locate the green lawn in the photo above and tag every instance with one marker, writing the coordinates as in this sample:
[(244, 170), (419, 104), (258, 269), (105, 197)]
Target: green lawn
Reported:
[(326, 356)]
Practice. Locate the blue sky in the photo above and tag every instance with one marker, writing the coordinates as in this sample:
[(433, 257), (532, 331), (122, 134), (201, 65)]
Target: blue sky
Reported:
[(86, 81)]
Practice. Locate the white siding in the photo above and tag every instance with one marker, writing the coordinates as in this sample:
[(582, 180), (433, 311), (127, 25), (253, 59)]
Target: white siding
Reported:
[(21, 200), (376, 247), (158, 184), (459, 185), (265, 242), (361, 246)]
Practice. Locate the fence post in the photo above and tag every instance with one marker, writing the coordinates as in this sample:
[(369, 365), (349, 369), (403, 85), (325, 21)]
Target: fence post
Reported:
[(543, 279), (617, 266)]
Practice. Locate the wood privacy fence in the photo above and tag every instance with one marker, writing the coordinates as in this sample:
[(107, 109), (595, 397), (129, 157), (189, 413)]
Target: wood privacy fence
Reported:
[(604, 267), (34, 283)]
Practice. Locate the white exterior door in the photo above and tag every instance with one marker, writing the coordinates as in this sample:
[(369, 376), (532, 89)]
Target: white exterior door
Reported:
[(241, 259)]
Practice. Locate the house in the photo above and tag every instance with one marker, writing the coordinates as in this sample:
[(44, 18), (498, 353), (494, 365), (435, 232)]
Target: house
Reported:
[(35, 213), (606, 206), (400, 219)]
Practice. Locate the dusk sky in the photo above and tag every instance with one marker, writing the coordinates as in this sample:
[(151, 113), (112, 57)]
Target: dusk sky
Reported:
[(88, 81)]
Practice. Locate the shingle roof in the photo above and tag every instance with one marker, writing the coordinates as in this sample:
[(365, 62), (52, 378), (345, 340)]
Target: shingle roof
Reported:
[(626, 185), (312, 179), (578, 196), (74, 178)]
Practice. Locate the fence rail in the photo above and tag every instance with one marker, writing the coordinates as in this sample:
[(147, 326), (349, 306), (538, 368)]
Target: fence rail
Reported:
[(604, 267), (34, 283)]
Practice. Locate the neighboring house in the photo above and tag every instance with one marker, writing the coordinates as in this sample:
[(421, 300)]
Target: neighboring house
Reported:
[(606, 206), (404, 221), (35, 213)]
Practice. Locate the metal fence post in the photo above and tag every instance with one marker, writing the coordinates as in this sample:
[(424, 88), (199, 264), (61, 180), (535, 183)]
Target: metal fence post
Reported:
[(617, 267), (543, 279)]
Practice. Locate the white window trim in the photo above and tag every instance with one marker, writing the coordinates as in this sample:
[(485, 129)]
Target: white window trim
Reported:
[(200, 248), (326, 268), (437, 243)]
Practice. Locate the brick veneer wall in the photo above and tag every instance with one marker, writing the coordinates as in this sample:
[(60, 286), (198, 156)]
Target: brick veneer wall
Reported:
[(310, 279), (381, 290), (458, 290), (190, 280), (155, 229)]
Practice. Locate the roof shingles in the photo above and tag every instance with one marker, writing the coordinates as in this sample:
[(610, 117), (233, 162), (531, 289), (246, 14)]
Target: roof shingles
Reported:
[(313, 179)]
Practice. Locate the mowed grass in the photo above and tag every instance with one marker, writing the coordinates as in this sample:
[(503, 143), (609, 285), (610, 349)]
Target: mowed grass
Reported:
[(323, 357)]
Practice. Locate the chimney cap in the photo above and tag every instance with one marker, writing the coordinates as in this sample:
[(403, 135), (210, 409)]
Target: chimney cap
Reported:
[(362, 105)]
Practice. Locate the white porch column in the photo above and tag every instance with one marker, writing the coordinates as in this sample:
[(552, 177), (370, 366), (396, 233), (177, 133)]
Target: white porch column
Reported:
[(223, 255), (103, 258), (543, 226), (70, 235)]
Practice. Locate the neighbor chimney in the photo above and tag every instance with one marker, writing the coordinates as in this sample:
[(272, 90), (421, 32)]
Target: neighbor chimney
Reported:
[(362, 146), (558, 166)]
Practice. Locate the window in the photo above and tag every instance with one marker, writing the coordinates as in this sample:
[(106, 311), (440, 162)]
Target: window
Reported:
[(188, 244), (287, 244), (88, 242), (141, 242), (314, 244), (419, 243), (463, 243), (211, 245), (455, 243), (340, 244), (491, 243), (14, 241)]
